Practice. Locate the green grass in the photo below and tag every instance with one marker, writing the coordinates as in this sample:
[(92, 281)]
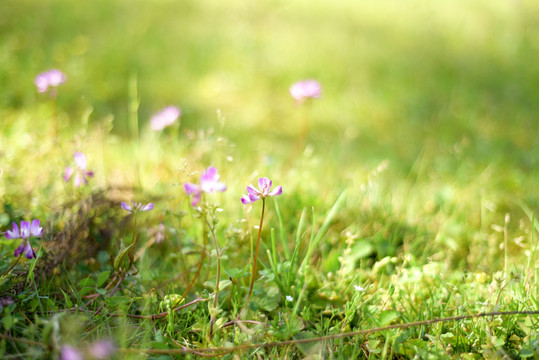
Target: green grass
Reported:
[(417, 181)]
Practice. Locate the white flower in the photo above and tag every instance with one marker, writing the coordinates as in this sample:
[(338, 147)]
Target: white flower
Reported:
[(289, 298)]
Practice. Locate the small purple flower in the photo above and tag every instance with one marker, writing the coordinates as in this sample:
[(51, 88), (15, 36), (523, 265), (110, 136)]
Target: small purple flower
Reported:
[(25, 232), (136, 207), (50, 78), (70, 353), (305, 89), (263, 192), (164, 118), (209, 182), (81, 174), (102, 349)]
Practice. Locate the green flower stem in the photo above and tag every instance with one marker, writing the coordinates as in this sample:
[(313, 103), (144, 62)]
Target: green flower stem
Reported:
[(216, 297), (255, 259)]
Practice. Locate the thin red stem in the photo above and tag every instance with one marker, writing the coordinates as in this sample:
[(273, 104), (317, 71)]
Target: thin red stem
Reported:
[(255, 259)]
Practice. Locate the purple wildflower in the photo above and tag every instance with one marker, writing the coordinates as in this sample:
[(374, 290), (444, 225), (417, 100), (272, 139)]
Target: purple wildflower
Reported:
[(81, 174), (305, 89), (209, 182), (136, 207), (164, 118), (50, 78), (70, 353), (25, 232), (263, 192), (102, 349)]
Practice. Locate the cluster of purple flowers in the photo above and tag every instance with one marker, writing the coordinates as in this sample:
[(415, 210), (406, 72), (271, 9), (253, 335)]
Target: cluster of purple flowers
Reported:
[(209, 182), (26, 231)]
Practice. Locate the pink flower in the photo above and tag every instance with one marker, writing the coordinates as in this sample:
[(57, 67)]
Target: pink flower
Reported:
[(79, 170), (164, 118), (26, 231), (70, 353), (254, 194), (305, 89), (50, 78), (209, 182)]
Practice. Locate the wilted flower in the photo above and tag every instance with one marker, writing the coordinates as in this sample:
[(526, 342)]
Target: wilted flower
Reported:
[(79, 170), (263, 192), (305, 89), (165, 117), (50, 78), (136, 207), (209, 182), (25, 232)]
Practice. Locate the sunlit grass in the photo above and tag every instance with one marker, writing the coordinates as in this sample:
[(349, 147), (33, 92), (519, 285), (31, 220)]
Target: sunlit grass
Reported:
[(409, 186)]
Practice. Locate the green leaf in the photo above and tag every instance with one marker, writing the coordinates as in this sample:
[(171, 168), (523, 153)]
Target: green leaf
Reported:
[(270, 300), (8, 321), (101, 291), (121, 255), (102, 278), (310, 347), (387, 316), (87, 282), (236, 273), (69, 303)]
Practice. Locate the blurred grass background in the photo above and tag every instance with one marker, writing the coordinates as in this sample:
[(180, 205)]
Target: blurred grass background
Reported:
[(446, 91)]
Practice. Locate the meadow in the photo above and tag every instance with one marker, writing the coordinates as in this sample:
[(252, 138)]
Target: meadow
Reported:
[(400, 222)]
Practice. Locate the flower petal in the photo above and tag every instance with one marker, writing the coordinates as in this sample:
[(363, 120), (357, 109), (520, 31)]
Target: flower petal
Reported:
[(245, 199), (251, 190), (35, 229), (253, 197), (220, 186), (196, 199), (264, 184), (80, 160), (147, 207), (68, 172), (209, 176), (13, 234), (78, 179), (42, 83), (277, 191), (126, 207), (29, 252), (19, 249), (191, 189), (25, 229)]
